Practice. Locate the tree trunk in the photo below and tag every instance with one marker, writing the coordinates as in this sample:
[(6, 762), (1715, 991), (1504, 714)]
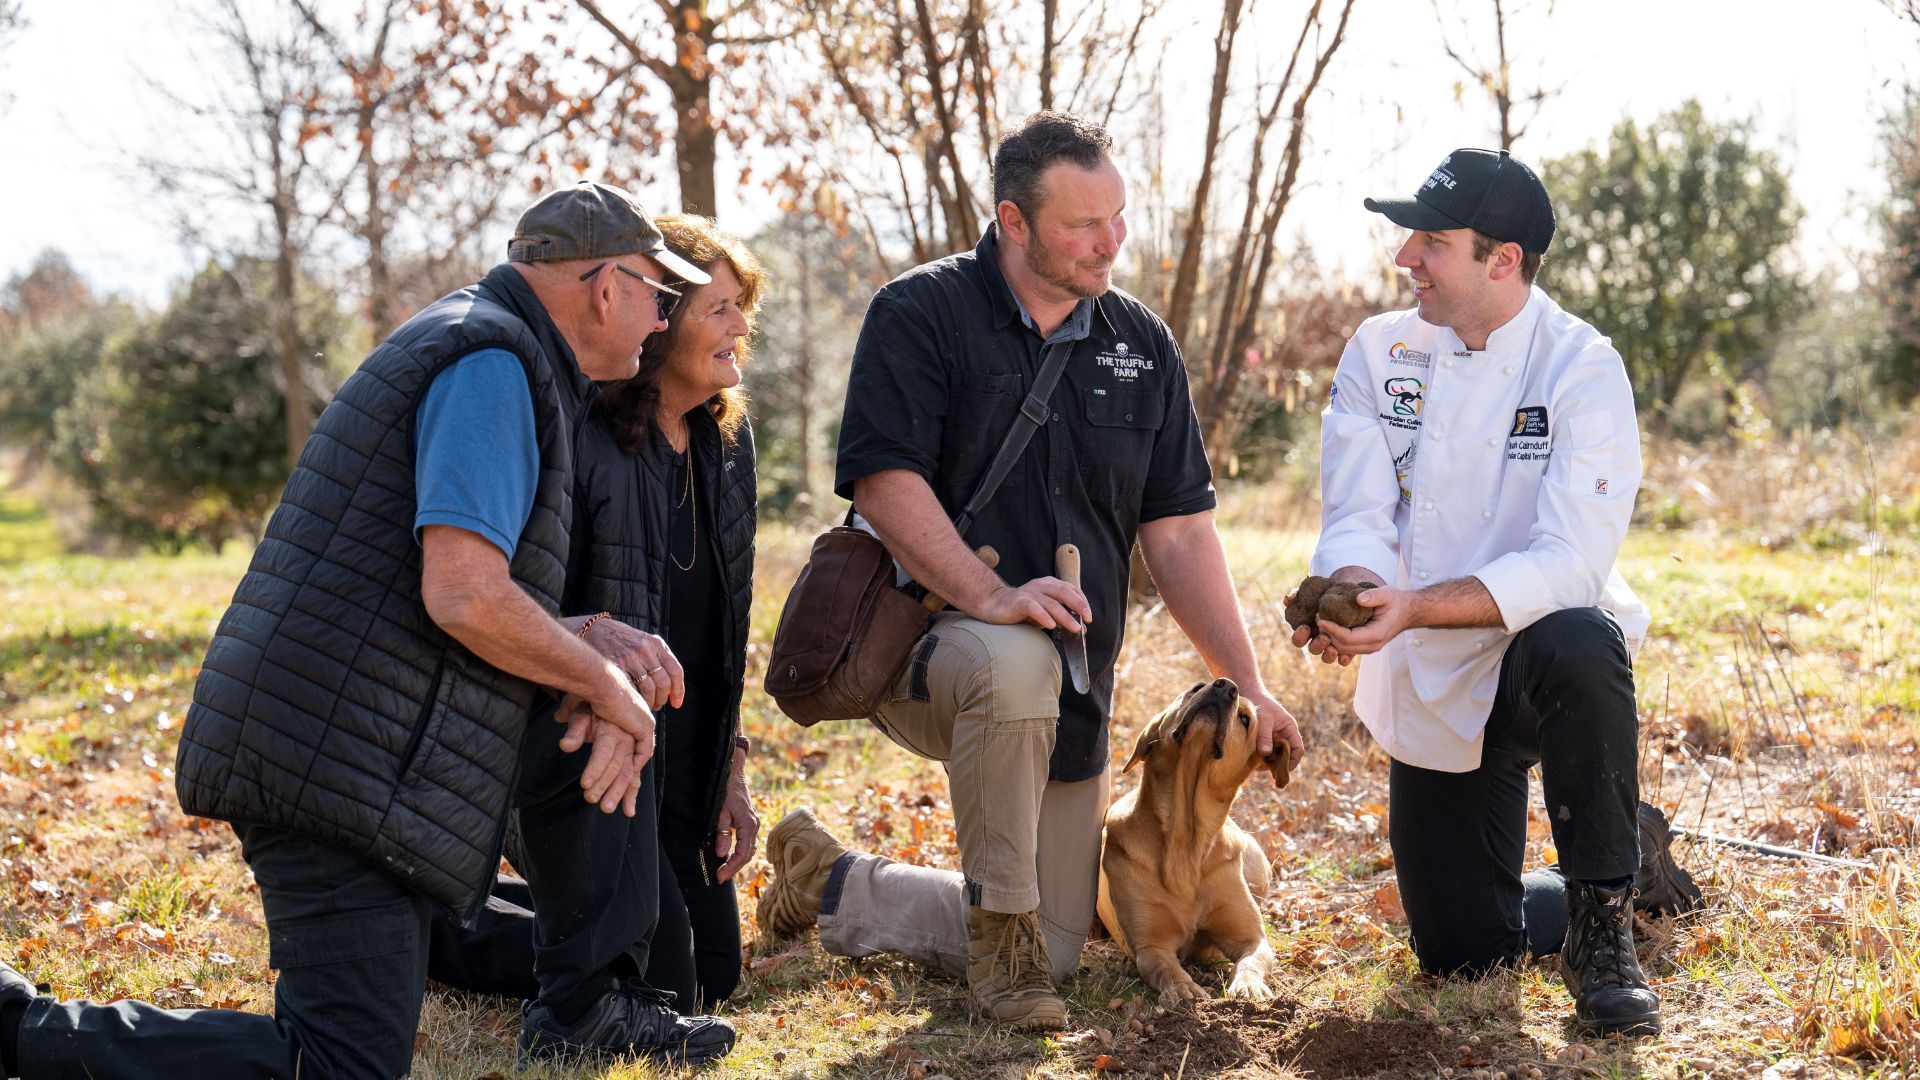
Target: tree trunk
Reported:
[(803, 378), (1180, 293), (286, 331), (379, 273), (694, 140), (1049, 10)]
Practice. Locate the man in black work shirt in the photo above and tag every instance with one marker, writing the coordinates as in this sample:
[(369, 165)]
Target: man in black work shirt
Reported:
[(945, 358)]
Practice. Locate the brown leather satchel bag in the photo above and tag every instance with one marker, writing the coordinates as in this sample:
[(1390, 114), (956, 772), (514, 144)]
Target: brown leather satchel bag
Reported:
[(846, 630)]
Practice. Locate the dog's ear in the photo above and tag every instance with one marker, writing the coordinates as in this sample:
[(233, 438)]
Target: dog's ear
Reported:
[(1276, 763), (1144, 744)]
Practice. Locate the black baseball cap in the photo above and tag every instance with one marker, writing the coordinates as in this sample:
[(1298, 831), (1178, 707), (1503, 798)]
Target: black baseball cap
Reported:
[(593, 221), (1487, 190)]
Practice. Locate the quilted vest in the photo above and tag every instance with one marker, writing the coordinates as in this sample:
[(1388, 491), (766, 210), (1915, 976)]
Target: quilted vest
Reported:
[(329, 703), (621, 562)]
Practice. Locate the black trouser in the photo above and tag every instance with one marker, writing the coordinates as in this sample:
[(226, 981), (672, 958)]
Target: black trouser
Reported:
[(592, 882), (350, 946), (1566, 703), (696, 950)]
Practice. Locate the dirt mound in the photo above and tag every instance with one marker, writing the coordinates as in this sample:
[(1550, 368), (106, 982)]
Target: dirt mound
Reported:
[(1222, 1036), (1334, 1044)]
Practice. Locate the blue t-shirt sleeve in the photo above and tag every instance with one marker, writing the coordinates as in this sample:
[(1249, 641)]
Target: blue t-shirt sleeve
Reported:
[(476, 459)]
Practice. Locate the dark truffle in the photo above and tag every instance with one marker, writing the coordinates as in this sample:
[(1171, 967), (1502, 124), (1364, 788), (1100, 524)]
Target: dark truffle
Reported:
[(1340, 605), (1306, 601)]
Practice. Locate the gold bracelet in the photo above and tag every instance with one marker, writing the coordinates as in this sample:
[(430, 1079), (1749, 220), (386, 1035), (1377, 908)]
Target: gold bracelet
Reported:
[(591, 619)]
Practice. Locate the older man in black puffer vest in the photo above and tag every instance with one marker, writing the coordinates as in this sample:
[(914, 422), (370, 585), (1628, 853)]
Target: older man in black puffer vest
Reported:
[(359, 715)]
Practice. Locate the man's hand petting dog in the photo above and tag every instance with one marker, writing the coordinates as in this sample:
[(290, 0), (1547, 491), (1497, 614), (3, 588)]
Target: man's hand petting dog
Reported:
[(1276, 727)]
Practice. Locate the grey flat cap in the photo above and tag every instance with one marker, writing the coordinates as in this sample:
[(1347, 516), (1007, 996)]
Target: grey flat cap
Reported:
[(593, 221)]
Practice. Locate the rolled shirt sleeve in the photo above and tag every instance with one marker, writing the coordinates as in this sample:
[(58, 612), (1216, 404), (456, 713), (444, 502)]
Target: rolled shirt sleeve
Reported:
[(1585, 500), (1359, 490), (1179, 479), (476, 457), (896, 398)]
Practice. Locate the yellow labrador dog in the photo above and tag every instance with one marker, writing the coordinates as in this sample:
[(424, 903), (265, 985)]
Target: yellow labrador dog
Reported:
[(1178, 879)]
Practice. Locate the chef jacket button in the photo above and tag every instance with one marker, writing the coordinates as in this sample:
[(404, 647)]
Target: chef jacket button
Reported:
[(1495, 441), (1429, 505), (1486, 513), (1479, 645), (1416, 641), (1509, 369), (1423, 575), (1446, 363)]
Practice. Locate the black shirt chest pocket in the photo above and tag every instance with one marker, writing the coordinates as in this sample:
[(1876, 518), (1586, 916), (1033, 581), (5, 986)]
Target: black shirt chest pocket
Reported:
[(1116, 448), (980, 408)]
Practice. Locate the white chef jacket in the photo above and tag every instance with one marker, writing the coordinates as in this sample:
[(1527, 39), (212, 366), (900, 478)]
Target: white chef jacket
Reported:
[(1516, 464)]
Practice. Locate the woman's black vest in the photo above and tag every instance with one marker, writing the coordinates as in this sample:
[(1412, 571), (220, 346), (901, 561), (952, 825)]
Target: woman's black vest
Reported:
[(329, 703), (621, 550)]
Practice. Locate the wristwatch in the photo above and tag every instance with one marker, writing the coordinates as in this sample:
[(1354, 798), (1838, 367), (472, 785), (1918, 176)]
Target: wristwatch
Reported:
[(742, 744)]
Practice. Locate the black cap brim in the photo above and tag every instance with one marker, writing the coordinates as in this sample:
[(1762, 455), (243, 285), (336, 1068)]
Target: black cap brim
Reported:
[(1411, 213)]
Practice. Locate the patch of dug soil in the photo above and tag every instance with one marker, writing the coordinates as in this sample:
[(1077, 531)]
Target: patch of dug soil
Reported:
[(1226, 1035), (1333, 1044)]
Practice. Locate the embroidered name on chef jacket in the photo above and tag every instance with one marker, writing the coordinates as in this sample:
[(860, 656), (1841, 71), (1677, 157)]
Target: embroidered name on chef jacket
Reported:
[(1528, 439)]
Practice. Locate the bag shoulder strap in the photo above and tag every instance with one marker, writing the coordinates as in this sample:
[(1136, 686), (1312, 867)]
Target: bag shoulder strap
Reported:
[(1033, 413)]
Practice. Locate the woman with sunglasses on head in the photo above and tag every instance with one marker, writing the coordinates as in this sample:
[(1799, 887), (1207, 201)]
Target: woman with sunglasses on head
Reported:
[(671, 524)]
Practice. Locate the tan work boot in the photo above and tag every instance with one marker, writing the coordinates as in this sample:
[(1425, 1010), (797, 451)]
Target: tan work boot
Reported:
[(802, 852), (1007, 969)]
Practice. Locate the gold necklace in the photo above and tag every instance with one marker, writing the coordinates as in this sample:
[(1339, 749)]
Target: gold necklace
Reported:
[(693, 540)]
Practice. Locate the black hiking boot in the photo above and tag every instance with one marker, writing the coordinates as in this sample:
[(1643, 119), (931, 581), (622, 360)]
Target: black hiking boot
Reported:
[(633, 1020), (1660, 887), (1610, 995)]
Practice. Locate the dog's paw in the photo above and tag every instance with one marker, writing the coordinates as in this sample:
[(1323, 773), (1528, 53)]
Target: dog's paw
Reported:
[(1181, 996), (1247, 986)]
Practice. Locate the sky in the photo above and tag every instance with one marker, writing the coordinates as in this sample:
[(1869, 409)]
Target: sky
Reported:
[(78, 105)]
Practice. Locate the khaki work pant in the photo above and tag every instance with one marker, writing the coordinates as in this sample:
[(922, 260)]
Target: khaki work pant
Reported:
[(983, 699)]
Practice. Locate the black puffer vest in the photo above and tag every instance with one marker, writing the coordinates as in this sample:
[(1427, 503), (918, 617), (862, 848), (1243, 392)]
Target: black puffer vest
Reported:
[(329, 703), (621, 549)]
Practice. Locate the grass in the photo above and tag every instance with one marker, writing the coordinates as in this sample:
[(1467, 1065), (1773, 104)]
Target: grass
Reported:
[(1779, 694)]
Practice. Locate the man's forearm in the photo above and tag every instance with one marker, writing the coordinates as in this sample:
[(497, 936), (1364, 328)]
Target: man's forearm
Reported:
[(903, 510), (468, 591), (1462, 603), (1189, 567), (1358, 575)]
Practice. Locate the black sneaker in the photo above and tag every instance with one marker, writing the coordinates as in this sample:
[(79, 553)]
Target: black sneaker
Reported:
[(631, 1020), (1610, 995), (1660, 887)]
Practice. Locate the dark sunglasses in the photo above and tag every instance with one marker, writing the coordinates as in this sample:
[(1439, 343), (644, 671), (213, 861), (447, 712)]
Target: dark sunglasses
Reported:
[(663, 295)]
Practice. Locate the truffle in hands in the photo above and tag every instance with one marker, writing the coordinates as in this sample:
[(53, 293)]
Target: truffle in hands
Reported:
[(1305, 605), (1340, 604)]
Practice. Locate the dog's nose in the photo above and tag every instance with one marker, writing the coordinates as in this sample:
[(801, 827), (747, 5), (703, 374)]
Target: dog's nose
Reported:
[(1224, 688)]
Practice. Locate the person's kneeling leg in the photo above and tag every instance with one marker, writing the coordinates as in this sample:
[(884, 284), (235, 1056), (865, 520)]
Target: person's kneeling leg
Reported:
[(1569, 674), (1458, 840)]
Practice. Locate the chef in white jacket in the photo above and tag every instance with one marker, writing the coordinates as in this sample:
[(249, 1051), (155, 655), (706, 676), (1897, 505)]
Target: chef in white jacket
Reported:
[(1479, 459)]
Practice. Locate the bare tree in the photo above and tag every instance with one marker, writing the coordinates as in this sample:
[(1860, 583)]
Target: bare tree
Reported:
[(269, 111), (695, 33), (428, 169), (1495, 75), (916, 91)]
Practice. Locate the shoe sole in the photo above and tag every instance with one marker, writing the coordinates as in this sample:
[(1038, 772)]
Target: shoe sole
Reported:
[(523, 1061), (1633, 1027), (777, 840)]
